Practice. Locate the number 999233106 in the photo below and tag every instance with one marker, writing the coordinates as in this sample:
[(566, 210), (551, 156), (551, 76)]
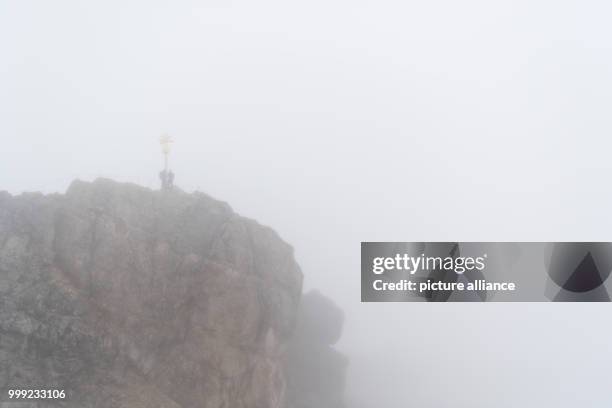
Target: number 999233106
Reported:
[(35, 394)]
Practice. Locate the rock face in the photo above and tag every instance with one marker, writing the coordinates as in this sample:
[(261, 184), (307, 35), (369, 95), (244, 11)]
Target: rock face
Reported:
[(315, 370), (128, 297)]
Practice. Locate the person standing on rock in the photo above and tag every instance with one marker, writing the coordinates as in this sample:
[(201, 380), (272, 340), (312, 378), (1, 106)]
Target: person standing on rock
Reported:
[(166, 176), (163, 177), (170, 180)]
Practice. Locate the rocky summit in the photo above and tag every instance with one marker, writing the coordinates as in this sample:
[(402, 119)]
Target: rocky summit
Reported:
[(127, 297)]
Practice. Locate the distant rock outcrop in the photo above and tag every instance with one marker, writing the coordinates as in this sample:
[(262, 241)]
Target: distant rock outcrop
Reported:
[(315, 370), (128, 297)]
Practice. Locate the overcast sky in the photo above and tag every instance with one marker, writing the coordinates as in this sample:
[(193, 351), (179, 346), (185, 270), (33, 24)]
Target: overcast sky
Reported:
[(337, 122)]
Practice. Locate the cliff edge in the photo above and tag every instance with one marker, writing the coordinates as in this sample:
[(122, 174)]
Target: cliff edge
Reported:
[(128, 297)]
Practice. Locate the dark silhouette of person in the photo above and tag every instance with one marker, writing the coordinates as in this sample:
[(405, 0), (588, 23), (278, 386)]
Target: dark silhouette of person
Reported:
[(163, 176), (170, 180)]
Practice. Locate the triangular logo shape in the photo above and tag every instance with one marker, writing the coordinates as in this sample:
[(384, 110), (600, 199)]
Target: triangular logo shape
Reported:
[(585, 277)]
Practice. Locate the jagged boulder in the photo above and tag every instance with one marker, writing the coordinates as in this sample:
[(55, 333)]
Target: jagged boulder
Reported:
[(128, 297), (316, 372)]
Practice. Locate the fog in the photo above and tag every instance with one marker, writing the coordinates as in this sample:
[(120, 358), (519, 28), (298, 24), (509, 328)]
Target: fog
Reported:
[(338, 122)]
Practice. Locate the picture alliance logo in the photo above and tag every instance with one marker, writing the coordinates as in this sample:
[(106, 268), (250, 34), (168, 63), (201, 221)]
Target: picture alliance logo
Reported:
[(414, 264)]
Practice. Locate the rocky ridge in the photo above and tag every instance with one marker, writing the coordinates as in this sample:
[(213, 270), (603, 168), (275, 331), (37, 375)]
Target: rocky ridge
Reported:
[(128, 297)]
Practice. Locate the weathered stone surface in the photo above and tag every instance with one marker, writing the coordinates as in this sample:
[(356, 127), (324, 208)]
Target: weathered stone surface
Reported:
[(128, 297), (315, 370)]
